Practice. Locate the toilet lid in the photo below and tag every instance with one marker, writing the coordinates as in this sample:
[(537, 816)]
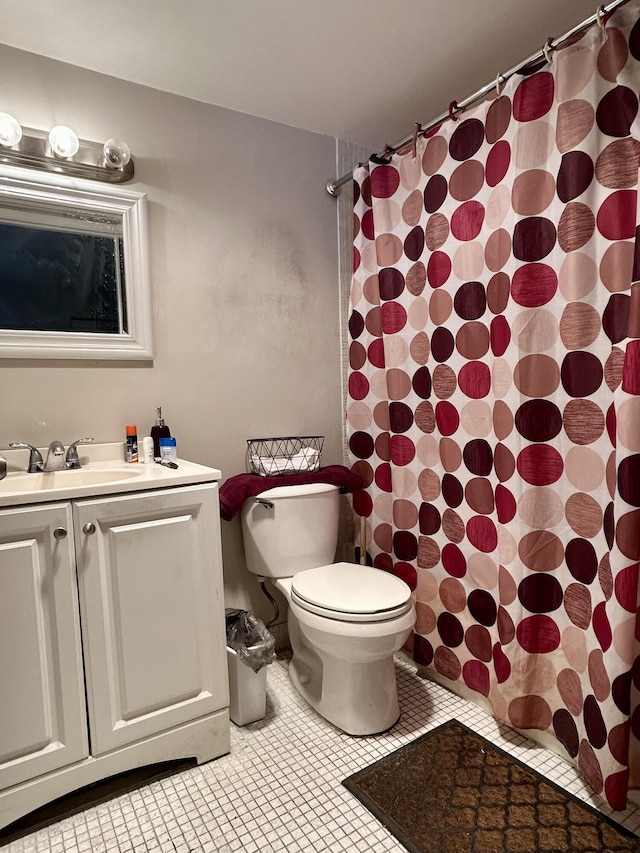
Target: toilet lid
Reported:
[(351, 592)]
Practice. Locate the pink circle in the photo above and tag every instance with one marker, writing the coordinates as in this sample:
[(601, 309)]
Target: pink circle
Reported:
[(385, 180), (626, 587), (407, 573), (453, 561), (500, 335), (611, 422), (534, 97), (506, 505), (474, 379), (362, 504), (447, 418), (393, 317), (438, 269), (616, 218), (602, 626), (501, 664), (534, 285), (375, 352), (482, 533), (466, 222), (498, 162), (358, 386), (476, 676), (631, 369), (402, 450), (383, 477), (540, 464), (538, 634), (368, 228)]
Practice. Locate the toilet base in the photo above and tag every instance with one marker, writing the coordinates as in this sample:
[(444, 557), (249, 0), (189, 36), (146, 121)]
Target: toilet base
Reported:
[(359, 698), (345, 670)]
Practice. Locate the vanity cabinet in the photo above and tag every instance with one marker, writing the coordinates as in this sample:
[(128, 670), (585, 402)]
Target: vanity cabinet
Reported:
[(112, 640), (42, 705)]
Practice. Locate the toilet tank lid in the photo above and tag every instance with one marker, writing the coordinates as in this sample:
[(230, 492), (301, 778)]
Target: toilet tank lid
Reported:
[(350, 587), (298, 491)]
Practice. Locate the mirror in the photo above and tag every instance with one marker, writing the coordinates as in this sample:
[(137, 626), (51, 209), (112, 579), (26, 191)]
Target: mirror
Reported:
[(74, 274)]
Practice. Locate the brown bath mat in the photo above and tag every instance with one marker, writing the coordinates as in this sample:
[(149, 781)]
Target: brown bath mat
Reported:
[(451, 791)]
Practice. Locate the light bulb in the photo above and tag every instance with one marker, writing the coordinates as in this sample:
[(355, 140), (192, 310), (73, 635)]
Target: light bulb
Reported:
[(116, 153), (10, 130), (63, 141)]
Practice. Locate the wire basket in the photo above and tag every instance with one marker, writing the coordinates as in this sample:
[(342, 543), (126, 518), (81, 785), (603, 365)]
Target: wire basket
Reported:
[(273, 457)]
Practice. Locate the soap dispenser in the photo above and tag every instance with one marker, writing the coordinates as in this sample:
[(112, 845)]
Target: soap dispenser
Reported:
[(159, 430)]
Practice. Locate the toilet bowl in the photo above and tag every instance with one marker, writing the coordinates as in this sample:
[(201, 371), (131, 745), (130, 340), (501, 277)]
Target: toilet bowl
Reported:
[(345, 621)]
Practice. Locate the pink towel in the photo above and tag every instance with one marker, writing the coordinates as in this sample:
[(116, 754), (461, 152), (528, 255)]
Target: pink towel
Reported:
[(235, 490)]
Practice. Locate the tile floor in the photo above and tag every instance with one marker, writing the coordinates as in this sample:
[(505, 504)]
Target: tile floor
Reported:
[(280, 787)]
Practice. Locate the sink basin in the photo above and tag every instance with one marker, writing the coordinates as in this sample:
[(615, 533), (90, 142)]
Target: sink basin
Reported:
[(53, 480), (104, 473)]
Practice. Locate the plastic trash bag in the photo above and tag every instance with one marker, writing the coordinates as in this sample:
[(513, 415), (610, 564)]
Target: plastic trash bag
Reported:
[(249, 638)]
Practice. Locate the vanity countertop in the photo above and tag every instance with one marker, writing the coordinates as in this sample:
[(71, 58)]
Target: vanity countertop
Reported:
[(103, 472)]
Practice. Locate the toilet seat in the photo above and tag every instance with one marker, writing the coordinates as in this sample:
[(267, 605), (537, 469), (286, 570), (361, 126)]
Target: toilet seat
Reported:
[(351, 593)]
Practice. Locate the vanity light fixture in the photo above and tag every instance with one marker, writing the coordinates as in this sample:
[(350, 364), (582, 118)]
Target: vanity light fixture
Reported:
[(60, 151), (64, 142), (10, 130), (116, 153)]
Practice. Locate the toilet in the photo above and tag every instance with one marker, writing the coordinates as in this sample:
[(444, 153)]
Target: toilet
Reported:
[(345, 621)]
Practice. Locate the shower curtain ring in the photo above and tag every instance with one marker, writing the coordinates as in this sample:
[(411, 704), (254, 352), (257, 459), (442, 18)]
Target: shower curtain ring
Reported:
[(600, 16), (499, 83), (453, 106), (548, 51)]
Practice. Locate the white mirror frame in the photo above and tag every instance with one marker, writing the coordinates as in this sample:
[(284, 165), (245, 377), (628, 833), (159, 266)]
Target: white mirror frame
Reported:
[(77, 194)]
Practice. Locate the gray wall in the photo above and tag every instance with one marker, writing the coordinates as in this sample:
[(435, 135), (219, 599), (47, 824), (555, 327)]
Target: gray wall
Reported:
[(244, 269)]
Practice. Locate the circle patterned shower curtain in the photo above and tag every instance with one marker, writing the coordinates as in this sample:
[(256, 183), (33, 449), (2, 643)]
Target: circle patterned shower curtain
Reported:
[(494, 395)]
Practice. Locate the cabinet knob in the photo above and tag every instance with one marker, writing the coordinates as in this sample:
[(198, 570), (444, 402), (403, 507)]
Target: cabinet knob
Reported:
[(60, 533), (89, 528)]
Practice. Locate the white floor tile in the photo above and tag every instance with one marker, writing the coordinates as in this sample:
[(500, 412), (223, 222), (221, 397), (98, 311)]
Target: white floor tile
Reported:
[(280, 787)]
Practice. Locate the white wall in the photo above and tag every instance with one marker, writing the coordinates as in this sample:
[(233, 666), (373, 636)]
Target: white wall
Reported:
[(244, 275)]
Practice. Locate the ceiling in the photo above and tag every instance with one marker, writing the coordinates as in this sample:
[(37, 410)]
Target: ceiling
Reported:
[(362, 70)]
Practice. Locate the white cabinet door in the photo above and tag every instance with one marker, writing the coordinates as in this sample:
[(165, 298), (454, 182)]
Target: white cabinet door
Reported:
[(42, 707), (150, 579)]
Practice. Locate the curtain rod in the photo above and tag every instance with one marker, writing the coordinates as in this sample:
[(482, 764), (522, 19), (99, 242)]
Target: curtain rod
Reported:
[(332, 187)]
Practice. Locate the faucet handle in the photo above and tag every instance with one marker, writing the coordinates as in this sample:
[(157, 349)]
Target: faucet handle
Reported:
[(36, 462), (71, 459)]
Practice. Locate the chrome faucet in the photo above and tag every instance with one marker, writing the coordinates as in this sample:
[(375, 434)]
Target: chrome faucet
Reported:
[(71, 460), (36, 463), (55, 457), (3, 467)]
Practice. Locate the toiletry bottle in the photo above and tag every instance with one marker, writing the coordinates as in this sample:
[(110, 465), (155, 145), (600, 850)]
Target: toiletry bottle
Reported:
[(147, 450), (159, 430), (168, 449), (132, 443)]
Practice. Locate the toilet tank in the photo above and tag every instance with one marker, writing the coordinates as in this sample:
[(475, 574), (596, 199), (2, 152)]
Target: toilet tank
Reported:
[(298, 531)]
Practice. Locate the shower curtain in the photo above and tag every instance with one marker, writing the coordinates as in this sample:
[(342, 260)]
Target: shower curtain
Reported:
[(494, 395)]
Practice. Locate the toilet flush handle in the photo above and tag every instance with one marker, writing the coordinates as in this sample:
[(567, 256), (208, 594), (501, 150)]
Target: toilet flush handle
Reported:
[(265, 503)]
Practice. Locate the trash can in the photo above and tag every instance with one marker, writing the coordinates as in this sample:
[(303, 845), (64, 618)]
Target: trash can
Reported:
[(250, 648)]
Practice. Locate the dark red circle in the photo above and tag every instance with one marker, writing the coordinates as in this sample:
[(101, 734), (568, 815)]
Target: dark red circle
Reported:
[(435, 193), (452, 490), (478, 457), (538, 634), (538, 420), (470, 301), (540, 593), (391, 283), (581, 373), (442, 344), (447, 417)]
